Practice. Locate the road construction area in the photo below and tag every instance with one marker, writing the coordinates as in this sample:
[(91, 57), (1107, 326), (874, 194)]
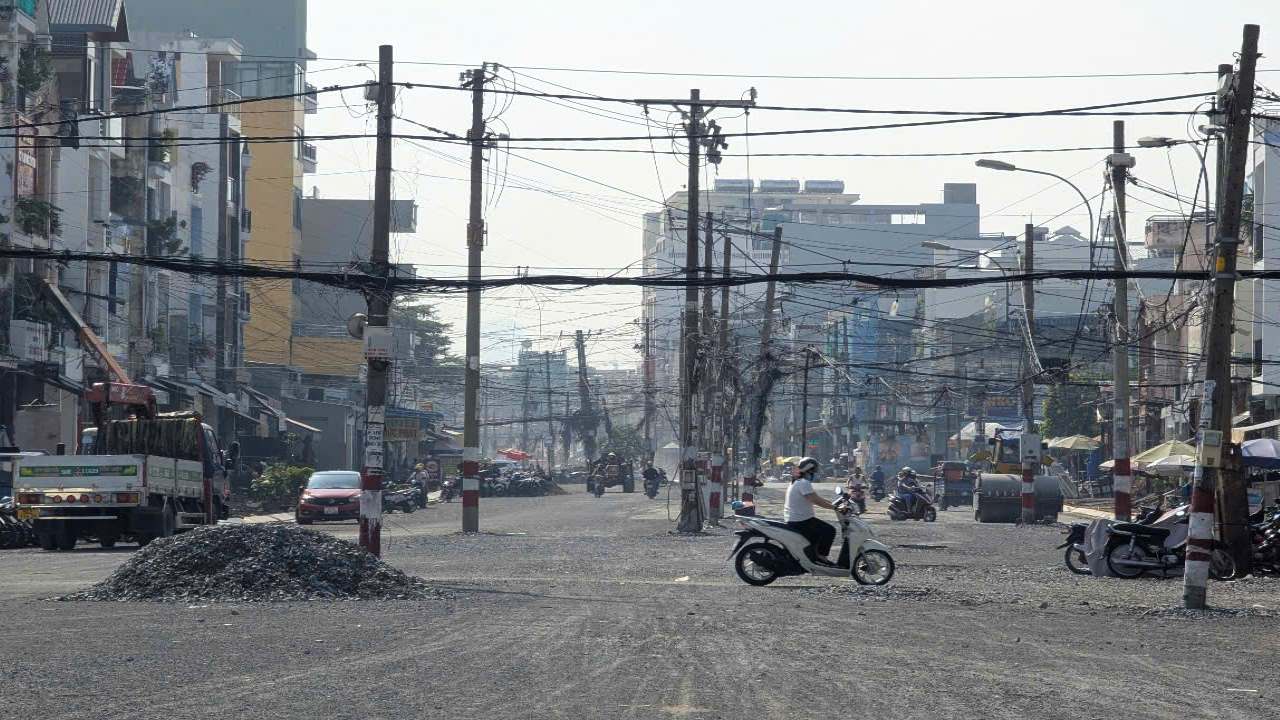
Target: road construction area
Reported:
[(580, 607)]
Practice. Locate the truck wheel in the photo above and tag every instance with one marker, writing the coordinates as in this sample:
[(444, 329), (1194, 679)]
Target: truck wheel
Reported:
[(169, 521), (106, 543), (66, 540), (628, 485), (47, 541)]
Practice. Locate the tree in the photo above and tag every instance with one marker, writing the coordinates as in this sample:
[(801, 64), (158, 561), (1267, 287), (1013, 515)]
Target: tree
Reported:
[(1071, 410), (626, 442), (430, 333)]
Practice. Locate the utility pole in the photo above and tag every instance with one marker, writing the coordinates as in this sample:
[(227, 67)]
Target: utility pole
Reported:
[(804, 404), (378, 345), (722, 352), (588, 427), (648, 388), (551, 428), (1120, 162), (475, 79), (707, 420), (1236, 100), (1030, 459), (524, 424), (765, 378)]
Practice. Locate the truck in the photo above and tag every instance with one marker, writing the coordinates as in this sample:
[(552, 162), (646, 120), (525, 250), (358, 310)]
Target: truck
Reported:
[(134, 480), (145, 476)]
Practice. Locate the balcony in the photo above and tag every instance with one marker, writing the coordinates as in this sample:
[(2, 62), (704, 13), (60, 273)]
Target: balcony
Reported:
[(307, 154), (28, 7), (310, 101), (219, 95)]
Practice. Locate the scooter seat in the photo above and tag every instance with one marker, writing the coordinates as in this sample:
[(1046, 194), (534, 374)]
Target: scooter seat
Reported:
[(1144, 530)]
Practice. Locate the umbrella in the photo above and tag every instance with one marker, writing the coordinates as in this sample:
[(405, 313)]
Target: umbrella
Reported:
[(514, 454), (1073, 442), (1171, 465), (1261, 453), (1163, 450)]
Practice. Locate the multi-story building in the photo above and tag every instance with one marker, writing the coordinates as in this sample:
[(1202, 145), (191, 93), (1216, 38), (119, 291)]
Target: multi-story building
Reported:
[(274, 38)]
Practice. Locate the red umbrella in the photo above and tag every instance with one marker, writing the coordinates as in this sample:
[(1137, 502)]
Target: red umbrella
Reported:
[(513, 454)]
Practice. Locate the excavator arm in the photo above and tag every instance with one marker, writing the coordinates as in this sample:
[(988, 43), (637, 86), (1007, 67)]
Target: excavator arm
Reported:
[(119, 389)]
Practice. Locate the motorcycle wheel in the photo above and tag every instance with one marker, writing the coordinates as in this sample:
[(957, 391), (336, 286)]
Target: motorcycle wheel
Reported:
[(1221, 565), (1076, 561), (1121, 551), (930, 515), (408, 507), (873, 567), (755, 564)]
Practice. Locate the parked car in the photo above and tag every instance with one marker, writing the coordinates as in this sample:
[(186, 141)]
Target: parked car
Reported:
[(329, 495)]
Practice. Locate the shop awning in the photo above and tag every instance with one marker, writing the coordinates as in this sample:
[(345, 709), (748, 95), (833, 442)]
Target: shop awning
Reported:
[(303, 426), (1259, 426)]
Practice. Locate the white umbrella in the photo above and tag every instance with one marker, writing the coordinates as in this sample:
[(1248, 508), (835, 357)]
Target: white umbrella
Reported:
[(1171, 465)]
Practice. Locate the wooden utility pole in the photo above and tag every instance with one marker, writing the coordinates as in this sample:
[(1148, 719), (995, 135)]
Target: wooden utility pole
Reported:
[(551, 428), (1236, 100), (1030, 459), (378, 345), (475, 79), (1120, 162)]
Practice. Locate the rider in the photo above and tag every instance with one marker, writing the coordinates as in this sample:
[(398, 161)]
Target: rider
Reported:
[(419, 480), (798, 513), (910, 486), (650, 474)]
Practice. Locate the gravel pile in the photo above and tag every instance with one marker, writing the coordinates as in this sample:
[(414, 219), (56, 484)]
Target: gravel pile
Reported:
[(255, 563)]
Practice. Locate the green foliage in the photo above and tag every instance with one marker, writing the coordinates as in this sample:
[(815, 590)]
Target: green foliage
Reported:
[(279, 483), (1071, 410), (431, 334), (126, 195), (34, 69), (627, 443), (162, 237), (37, 217)]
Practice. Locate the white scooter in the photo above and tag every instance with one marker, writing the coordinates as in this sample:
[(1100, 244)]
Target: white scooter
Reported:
[(768, 549)]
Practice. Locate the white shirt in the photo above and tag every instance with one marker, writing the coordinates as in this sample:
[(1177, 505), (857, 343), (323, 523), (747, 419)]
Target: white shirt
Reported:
[(797, 507)]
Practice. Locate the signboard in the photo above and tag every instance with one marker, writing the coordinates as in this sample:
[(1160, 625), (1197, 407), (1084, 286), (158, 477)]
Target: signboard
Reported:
[(373, 437), (378, 343), (399, 429)]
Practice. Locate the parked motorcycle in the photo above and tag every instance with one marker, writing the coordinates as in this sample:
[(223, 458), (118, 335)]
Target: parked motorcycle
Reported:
[(768, 549), (448, 489), (14, 533), (402, 497), (904, 507), (1074, 557), (1135, 548)]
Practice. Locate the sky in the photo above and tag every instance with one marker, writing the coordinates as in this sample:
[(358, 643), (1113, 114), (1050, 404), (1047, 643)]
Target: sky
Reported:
[(581, 210)]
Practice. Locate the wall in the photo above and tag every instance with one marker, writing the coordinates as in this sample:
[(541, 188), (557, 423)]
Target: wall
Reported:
[(333, 448)]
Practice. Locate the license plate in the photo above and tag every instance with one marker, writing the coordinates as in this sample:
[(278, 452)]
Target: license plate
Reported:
[(28, 513), (331, 511)]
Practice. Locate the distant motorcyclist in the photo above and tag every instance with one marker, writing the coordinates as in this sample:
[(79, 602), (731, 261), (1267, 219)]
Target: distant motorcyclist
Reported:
[(858, 492), (420, 479), (797, 511), (909, 485)]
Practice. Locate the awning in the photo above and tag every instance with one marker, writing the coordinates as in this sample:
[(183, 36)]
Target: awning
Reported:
[(1259, 426), (304, 426)]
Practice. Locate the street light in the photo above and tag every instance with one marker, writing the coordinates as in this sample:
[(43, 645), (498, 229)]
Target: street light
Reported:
[(1158, 141), (1010, 167)]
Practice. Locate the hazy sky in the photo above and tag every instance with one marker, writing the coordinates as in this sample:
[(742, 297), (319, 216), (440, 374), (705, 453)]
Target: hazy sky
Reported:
[(597, 228)]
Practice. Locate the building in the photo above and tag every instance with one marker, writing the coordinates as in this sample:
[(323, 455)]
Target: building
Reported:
[(273, 36)]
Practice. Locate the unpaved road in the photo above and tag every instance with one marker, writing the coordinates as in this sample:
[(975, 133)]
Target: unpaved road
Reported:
[(578, 607)]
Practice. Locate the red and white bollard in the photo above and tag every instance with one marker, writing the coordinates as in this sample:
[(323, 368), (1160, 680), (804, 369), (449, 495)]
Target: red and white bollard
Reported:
[(1195, 579), (470, 490), (715, 488), (1122, 487)]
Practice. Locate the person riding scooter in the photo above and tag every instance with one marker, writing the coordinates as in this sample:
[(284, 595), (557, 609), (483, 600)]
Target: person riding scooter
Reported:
[(877, 483), (797, 511), (858, 493), (909, 485)]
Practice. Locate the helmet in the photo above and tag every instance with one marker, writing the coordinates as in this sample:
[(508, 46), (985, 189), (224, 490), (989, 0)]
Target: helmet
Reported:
[(807, 465), (907, 472), (419, 466)]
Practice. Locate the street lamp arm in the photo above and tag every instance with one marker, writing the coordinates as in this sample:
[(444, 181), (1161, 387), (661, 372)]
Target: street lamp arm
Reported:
[(1083, 199)]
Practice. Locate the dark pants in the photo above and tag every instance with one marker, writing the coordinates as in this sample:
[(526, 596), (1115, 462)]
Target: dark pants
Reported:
[(819, 534)]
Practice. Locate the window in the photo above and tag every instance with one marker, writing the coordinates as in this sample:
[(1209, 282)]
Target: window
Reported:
[(297, 208)]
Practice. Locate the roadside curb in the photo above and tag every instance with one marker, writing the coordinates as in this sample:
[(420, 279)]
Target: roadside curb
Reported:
[(1087, 512)]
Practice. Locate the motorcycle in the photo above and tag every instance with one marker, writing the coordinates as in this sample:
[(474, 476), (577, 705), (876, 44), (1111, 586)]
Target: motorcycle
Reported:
[(768, 549), (877, 490), (1075, 557), (1135, 548), (902, 507), (402, 498), (448, 488)]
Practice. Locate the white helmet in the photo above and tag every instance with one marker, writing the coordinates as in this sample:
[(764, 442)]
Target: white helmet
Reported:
[(807, 466)]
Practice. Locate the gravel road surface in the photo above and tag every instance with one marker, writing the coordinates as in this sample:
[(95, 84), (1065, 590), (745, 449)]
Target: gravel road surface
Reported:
[(577, 607)]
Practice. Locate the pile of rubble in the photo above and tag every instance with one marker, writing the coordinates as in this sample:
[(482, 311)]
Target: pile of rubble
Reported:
[(255, 563)]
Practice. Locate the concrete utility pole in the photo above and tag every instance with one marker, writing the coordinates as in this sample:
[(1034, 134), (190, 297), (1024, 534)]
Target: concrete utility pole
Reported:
[(765, 381), (475, 79), (804, 404), (588, 412), (707, 424), (1120, 162), (524, 411), (378, 345), (551, 428), (723, 355), (1236, 100), (1030, 458), (648, 388)]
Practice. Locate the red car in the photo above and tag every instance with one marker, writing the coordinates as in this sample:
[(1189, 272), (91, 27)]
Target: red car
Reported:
[(330, 495)]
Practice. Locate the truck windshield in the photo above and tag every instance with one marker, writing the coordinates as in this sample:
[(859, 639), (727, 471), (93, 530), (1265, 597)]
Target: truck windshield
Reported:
[(334, 481)]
